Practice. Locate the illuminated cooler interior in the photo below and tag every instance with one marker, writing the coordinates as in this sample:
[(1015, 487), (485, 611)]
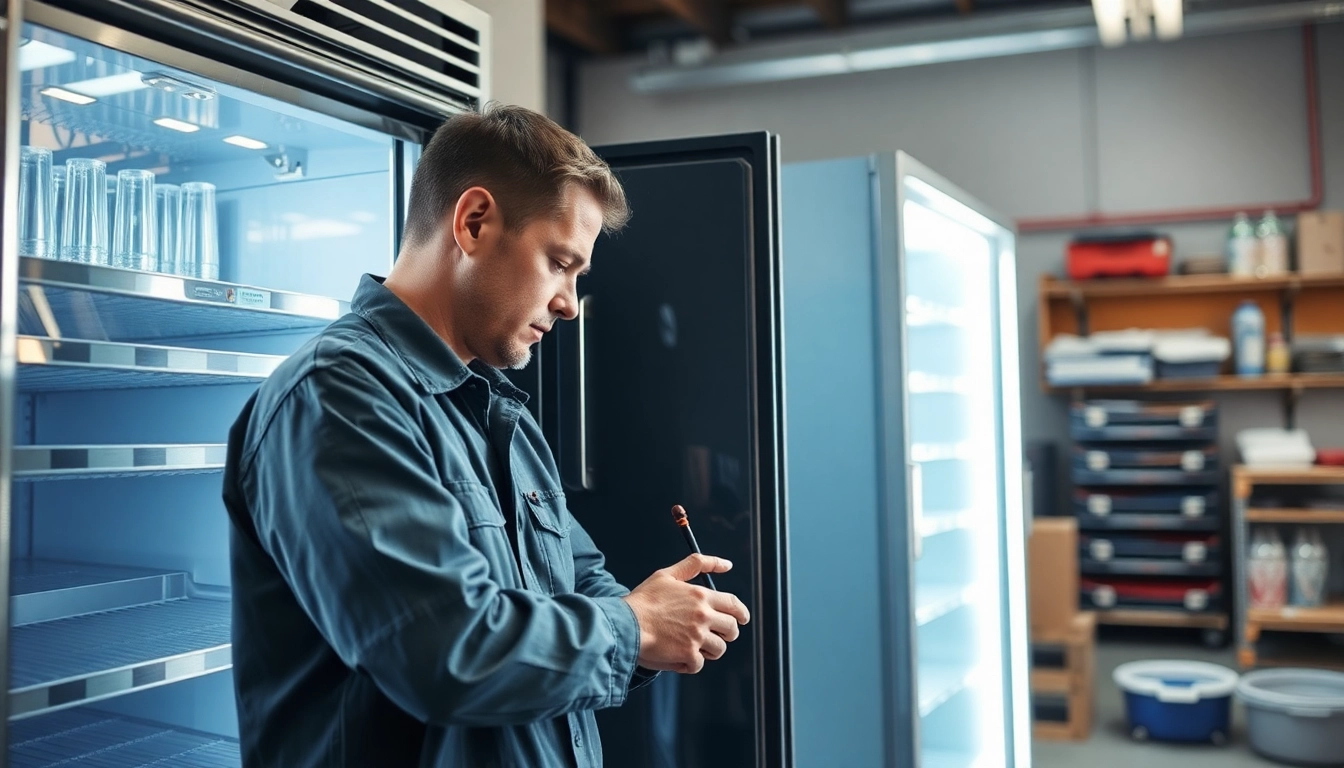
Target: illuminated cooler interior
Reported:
[(305, 205), (304, 200), (952, 283)]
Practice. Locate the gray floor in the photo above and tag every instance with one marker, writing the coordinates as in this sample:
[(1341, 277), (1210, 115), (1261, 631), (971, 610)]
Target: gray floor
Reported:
[(1111, 746)]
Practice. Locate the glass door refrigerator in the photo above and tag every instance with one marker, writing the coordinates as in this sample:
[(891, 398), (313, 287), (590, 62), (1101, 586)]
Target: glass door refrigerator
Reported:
[(192, 189), (908, 596)]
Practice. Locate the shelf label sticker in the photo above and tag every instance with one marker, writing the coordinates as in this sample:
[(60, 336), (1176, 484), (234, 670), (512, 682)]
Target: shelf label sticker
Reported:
[(1098, 461), (253, 298), (1196, 600), (1104, 596), (1094, 417), (1194, 552), (1192, 506), (1099, 504), (212, 292), (1102, 550), (1192, 461), (1192, 416)]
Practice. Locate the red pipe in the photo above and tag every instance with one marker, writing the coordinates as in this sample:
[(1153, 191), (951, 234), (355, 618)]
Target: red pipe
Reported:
[(1226, 212)]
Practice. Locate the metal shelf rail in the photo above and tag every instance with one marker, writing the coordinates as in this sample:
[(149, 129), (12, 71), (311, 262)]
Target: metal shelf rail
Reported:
[(64, 365), (86, 301), (80, 462)]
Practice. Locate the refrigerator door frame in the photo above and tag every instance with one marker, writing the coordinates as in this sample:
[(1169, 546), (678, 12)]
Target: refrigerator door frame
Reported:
[(9, 280), (893, 169)]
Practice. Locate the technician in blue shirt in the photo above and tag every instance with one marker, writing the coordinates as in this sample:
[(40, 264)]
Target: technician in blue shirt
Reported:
[(409, 586)]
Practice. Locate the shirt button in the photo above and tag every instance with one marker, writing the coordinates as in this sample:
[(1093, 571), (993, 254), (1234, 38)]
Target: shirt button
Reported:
[(578, 740), (533, 496)]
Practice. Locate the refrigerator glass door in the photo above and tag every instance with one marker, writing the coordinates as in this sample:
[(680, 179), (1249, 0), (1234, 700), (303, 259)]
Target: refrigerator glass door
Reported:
[(151, 305), (966, 514)]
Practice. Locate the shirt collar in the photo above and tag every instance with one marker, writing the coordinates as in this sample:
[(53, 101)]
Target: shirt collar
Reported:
[(425, 354)]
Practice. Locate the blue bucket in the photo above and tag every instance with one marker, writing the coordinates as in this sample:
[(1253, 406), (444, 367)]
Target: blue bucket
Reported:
[(1188, 701)]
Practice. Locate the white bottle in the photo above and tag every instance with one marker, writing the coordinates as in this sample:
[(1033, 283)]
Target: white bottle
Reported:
[(1273, 246), (1310, 566), (1268, 570), (1243, 249)]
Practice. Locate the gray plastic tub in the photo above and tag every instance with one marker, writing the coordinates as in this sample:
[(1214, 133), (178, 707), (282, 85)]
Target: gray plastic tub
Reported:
[(1295, 715)]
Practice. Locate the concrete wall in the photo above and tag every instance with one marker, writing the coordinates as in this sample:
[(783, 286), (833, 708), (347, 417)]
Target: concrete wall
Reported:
[(1199, 122)]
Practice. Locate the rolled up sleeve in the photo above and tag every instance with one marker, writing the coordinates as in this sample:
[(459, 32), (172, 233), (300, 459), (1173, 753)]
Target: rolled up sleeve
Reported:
[(349, 502)]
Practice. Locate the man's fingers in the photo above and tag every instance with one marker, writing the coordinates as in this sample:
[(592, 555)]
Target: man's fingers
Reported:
[(726, 602), (713, 647), (724, 626), (694, 565)]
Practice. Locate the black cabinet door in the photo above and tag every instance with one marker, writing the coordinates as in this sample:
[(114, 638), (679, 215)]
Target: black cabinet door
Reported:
[(667, 391)]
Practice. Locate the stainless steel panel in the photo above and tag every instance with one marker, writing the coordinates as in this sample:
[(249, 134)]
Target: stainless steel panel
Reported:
[(97, 738), (45, 590)]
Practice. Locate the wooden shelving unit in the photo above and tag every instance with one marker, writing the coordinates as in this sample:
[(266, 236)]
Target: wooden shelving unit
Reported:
[(1289, 619), (1294, 305), (1140, 618)]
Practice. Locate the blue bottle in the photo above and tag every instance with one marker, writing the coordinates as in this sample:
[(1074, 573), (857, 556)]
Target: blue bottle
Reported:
[(1248, 339)]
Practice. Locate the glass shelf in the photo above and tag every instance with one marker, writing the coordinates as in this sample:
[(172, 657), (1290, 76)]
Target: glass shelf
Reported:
[(939, 682), (933, 601), (63, 365), (80, 738), (81, 462), (68, 662), (86, 301)]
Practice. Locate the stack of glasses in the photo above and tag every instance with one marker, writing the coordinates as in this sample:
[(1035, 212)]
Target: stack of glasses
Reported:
[(64, 214)]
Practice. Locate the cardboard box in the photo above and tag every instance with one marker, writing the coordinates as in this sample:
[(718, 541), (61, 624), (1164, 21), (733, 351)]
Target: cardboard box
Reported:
[(1320, 242), (1052, 577)]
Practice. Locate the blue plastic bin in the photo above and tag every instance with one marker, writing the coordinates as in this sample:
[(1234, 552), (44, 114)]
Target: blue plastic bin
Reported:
[(1186, 701)]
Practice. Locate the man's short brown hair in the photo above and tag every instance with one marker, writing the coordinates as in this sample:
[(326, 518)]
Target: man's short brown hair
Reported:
[(523, 158)]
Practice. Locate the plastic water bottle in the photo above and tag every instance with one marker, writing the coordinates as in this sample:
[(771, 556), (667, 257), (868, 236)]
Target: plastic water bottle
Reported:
[(1242, 247), (1267, 569), (1310, 566), (1273, 246), (1248, 339)]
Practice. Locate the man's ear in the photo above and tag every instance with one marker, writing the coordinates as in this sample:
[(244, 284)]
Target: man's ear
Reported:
[(474, 219)]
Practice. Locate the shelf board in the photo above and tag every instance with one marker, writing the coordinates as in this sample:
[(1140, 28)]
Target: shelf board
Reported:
[(1327, 618), (1055, 288), (935, 523), (1273, 381), (87, 462), (1309, 516), (69, 662), (933, 602), (45, 590), (57, 365), (1302, 476), (65, 299), (938, 683), (88, 737), (1154, 618)]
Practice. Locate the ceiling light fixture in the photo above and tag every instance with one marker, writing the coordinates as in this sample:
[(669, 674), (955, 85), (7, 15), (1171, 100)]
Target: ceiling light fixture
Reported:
[(245, 142), (64, 95), (176, 125), (1118, 20)]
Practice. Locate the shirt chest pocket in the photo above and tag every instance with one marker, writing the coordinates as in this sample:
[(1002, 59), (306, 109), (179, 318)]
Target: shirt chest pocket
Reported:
[(550, 524), (485, 527)]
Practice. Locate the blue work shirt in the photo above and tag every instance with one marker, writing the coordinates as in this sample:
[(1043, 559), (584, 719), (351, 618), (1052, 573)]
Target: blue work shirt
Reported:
[(380, 616)]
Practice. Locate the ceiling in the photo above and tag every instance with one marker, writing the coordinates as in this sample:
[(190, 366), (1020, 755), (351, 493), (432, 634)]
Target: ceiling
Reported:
[(612, 27)]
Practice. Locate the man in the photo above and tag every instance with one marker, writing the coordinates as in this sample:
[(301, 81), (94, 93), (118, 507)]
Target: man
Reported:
[(409, 587)]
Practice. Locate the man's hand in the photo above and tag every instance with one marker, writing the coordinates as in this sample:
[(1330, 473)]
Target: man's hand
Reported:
[(681, 625)]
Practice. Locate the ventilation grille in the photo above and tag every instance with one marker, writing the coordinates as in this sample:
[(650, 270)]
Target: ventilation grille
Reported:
[(435, 42)]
